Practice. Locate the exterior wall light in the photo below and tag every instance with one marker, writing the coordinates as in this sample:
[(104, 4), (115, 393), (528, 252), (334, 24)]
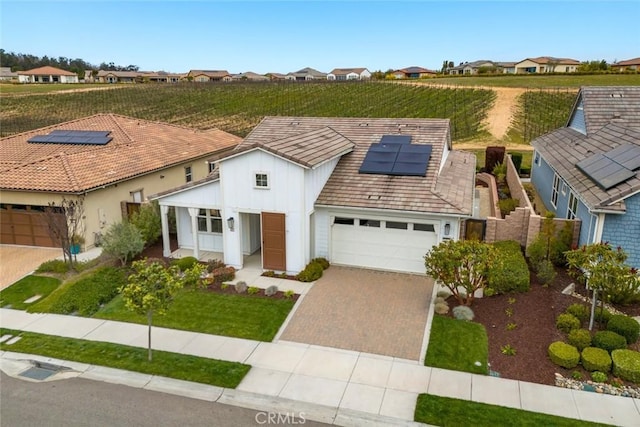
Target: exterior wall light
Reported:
[(231, 222)]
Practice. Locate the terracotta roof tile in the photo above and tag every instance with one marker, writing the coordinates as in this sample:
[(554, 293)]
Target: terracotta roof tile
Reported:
[(48, 70), (138, 147)]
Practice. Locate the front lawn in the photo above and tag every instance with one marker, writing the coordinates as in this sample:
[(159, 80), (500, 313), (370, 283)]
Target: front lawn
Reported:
[(239, 316), (446, 411), (15, 295), (458, 345), (172, 365)]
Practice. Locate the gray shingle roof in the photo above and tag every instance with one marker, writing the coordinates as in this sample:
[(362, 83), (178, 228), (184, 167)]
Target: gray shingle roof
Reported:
[(611, 103), (450, 191)]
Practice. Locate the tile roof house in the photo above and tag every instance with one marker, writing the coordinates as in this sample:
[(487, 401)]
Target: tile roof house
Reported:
[(627, 65), (208, 75), (375, 193), (307, 73), (105, 76), (7, 75), (47, 75), (349, 74), (469, 68), (547, 64), (124, 159), (413, 73), (251, 76), (590, 168)]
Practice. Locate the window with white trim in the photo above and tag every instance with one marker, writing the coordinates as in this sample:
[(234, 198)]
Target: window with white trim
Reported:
[(564, 188), (209, 221), (261, 180), (136, 196), (369, 223), (424, 227), (212, 167), (537, 159), (554, 190), (572, 208), (343, 221), (396, 225), (188, 174)]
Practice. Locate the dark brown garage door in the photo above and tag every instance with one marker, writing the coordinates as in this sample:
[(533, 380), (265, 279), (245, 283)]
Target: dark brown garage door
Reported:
[(24, 225)]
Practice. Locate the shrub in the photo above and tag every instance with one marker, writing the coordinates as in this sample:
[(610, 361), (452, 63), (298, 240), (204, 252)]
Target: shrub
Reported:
[(626, 365), (579, 338), (271, 291), (311, 273), (602, 316), (289, 294), (322, 261), (508, 350), (147, 221), (511, 274), (545, 272), (54, 266), (580, 311), (625, 289), (563, 354), (511, 326), (441, 308), (214, 264), (508, 205), (269, 273), (626, 326), (194, 277), (500, 171), (599, 377), (567, 322), (222, 274), (241, 287), (489, 292), (608, 340), (443, 294), (438, 300), (185, 263), (596, 359), (123, 241), (462, 312), (577, 375), (516, 158), (253, 290)]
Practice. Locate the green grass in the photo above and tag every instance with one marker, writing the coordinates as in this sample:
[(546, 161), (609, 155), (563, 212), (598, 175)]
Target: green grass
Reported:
[(22, 89), (84, 294), (446, 411), (172, 365), (25, 288), (238, 107), (539, 81), (527, 157), (237, 316), (457, 345)]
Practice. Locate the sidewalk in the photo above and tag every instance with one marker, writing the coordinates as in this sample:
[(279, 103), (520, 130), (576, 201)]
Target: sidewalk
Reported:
[(331, 385)]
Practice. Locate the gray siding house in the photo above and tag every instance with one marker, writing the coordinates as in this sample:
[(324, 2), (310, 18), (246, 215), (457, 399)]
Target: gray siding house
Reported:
[(590, 169)]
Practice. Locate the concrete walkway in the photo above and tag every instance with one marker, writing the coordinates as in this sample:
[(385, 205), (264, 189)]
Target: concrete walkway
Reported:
[(330, 385)]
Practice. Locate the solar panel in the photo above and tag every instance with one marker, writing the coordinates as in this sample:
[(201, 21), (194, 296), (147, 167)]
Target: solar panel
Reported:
[(412, 160), (76, 137), (380, 158), (628, 155), (395, 139), (605, 172)]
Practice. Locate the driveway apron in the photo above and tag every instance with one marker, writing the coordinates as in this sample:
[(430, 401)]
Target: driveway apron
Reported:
[(364, 310), (18, 261)]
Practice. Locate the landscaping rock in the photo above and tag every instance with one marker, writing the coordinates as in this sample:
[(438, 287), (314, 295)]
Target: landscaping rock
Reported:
[(624, 391), (569, 290)]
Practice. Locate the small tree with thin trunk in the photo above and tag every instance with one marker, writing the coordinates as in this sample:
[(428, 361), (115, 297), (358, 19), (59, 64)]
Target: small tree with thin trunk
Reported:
[(123, 241), (150, 290), (65, 223), (461, 265)]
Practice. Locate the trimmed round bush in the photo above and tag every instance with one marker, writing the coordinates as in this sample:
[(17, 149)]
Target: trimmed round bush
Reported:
[(608, 340), (602, 316), (311, 273), (579, 338), (567, 322), (599, 377), (438, 300), (322, 261), (626, 326), (441, 308), (563, 354), (596, 359), (462, 312), (626, 365), (580, 311), (185, 263)]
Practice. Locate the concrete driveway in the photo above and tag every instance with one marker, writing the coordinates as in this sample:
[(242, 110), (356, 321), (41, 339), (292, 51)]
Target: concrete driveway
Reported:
[(364, 310), (18, 261)]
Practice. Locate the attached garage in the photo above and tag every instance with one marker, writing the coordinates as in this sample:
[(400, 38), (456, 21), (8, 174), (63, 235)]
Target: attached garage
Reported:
[(24, 225), (382, 244)]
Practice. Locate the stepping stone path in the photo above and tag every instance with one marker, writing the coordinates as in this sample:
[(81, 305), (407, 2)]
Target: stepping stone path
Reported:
[(32, 299)]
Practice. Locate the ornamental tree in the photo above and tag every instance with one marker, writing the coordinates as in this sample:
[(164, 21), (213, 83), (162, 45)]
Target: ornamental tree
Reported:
[(150, 290), (123, 241), (461, 265)]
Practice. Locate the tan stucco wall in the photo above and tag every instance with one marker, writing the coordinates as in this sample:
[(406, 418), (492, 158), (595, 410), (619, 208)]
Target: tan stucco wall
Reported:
[(107, 200)]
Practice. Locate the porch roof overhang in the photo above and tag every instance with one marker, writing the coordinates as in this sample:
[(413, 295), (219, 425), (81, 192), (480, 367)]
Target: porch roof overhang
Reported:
[(212, 177)]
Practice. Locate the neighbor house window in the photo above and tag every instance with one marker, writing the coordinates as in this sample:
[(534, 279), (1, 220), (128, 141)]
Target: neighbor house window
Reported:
[(572, 209), (188, 174), (209, 221), (554, 190), (262, 180)]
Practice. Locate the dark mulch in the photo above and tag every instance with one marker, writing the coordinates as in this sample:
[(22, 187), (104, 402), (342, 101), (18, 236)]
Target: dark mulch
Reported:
[(534, 313)]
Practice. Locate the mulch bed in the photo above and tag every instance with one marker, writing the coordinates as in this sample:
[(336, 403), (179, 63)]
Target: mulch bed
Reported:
[(534, 313)]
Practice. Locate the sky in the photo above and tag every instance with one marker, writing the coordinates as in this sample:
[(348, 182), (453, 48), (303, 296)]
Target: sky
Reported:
[(284, 36)]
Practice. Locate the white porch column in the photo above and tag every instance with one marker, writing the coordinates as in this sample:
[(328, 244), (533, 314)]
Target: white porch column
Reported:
[(193, 213), (166, 242)]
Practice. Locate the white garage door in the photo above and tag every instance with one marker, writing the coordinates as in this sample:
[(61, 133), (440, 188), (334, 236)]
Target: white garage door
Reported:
[(385, 245)]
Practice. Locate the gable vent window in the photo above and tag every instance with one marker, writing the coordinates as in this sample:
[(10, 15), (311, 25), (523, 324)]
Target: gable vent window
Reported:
[(261, 180), (188, 174)]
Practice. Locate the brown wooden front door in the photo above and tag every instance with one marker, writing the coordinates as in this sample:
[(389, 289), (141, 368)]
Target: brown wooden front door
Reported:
[(274, 254)]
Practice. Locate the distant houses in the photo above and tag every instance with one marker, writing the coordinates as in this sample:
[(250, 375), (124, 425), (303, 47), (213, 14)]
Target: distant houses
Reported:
[(627, 65), (539, 65), (47, 75), (349, 74), (413, 73)]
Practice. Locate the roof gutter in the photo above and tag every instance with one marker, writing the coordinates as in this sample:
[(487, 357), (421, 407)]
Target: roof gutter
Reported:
[(383, 211)]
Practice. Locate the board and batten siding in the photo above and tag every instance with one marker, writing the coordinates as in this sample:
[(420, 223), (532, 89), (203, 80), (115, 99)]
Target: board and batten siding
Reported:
[(285, 194), (206, 241), (315, 180), (624, 230)]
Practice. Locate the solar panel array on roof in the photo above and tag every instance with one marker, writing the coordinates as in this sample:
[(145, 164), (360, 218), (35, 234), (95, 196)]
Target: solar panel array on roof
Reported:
[(80, 137), (604, 171), (395, 155), (627, 155)]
